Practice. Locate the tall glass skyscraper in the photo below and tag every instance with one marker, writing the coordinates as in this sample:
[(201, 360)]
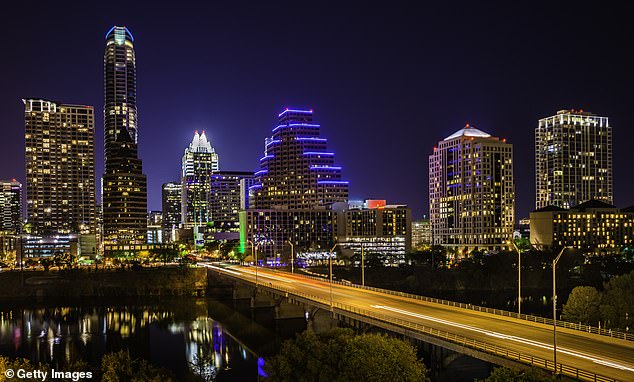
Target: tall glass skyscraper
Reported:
[(296, 170), (199, 162), (573, 159), (124, 184)]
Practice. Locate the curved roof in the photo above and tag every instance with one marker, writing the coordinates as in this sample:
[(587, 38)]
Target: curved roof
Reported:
[(116, 30), (468, 131)]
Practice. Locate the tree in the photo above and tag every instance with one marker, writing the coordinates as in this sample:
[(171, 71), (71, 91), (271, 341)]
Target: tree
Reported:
[(340, 355), (504, 374), (46, 262), (120, 367), (164, 255), (583, 306), (617, 304), (17, 364), (371, 357)]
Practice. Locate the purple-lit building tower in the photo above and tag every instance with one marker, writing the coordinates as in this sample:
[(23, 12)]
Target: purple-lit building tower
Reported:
[(297, 171), (293, 191)]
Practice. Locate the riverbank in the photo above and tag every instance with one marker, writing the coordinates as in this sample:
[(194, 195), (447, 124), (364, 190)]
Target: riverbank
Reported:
[(162, 281)]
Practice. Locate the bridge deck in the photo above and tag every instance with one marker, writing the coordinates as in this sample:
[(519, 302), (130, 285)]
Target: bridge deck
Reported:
[(608, 357)]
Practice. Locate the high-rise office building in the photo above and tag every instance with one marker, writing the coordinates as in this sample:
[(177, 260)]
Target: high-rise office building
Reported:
[(124, 200), (297, 184), (225, 199), (60, 167), (10, 206), (296, 170), (171, 198), (573, 159), (471, 191), (199, 162), (246, 192), (376, 227), (155, 227), (421, 233)]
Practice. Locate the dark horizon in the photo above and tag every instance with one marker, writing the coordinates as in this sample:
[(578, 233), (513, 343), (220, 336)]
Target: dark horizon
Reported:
[(386, 84)]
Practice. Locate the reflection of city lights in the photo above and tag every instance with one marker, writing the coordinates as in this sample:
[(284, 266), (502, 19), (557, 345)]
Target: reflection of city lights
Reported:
[(61, 333)]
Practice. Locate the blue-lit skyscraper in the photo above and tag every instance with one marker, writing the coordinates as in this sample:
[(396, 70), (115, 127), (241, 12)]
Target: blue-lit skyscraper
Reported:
[(297, 171), (124, 198)]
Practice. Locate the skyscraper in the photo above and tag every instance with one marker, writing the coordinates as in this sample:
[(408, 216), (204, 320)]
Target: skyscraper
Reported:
[(171, 197), (296, 170), (60, 167), (225, 199), (573, 159), (124, 184), (296, 185), (199, 162), (471, 191), (10, 206)]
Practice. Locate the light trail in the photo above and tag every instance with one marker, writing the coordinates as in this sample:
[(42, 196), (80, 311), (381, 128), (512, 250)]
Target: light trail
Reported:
[(260, 274), (601, 361), (220, 269)]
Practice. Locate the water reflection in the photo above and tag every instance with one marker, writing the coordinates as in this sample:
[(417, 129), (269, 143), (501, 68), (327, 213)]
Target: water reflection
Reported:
[(180, 336)]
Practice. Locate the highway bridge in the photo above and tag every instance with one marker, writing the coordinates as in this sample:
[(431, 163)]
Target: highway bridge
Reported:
[(492, 335)]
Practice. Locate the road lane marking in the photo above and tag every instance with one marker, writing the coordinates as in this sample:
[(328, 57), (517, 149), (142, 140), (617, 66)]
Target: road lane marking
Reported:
[(601, 361)]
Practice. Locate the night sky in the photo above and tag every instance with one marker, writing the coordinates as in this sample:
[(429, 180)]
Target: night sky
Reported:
[(386, 82)]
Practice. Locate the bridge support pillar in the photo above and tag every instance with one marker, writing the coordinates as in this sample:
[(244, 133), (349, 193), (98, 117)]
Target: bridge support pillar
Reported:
[(241, 292), (285, 309), (320, 320), (262, 301)]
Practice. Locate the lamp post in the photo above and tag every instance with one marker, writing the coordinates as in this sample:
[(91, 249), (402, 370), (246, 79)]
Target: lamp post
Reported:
[(555, 309), (292, 256), (254, 254), (330, 265), (362, 266), (519, 278), (219, 246)]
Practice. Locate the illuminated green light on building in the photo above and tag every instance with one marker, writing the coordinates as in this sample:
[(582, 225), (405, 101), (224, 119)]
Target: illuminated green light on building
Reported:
[(243, 231)]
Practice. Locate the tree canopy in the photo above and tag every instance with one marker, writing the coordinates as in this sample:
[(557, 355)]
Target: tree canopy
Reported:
[(504, 374), (340, 355), (617, 304), (583, 306)]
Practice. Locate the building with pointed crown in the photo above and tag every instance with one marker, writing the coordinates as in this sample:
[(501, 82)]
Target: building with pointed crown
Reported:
[(199, 162)]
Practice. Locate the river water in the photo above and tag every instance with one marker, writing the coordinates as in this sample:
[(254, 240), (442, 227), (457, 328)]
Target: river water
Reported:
[(174, 333)]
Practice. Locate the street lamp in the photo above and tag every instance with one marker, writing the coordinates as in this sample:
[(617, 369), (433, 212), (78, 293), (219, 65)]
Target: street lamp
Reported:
[(330, 264), (219, 246), (555, 310), (362, 266), (519, 278), (292, 256), (254, 254)]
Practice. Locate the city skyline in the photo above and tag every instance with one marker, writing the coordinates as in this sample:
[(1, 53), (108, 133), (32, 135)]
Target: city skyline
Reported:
[(354, 122)]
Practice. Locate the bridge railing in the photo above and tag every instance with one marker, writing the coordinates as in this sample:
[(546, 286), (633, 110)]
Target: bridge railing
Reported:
[(499, 312), (352, 311), (481, 346)]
